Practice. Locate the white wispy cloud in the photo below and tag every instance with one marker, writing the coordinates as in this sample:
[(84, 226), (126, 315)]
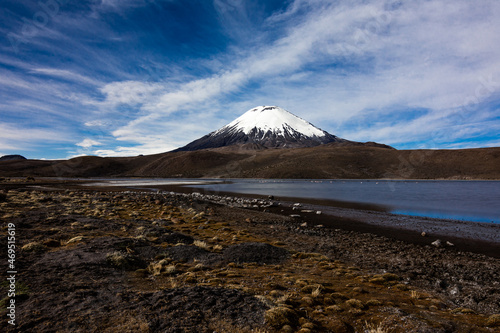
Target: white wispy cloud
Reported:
[(67, 75), (129, 92), (87, 143), (414, 55), (14, 137), (356, 68)]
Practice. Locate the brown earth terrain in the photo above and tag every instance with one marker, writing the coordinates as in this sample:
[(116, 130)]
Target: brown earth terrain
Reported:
[(330, 161), (90, 260)]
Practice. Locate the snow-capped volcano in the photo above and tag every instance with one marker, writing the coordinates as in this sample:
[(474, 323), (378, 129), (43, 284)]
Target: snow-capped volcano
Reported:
[(271, 119), (266, 126)]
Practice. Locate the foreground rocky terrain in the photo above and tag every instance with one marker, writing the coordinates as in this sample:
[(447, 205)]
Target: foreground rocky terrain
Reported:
[(121, 261)]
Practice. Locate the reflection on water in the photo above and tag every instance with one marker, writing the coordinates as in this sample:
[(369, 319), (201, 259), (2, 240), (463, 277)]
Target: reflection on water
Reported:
[(152, 182)]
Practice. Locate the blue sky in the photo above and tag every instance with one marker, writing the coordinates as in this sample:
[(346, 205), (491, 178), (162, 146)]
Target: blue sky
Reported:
[(129, 77)]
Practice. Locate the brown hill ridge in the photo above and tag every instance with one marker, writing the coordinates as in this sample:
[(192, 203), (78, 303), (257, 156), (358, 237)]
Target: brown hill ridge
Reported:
[(329, 161)]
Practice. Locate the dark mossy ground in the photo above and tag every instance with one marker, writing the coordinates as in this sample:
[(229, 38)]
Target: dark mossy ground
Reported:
[(102, 261)]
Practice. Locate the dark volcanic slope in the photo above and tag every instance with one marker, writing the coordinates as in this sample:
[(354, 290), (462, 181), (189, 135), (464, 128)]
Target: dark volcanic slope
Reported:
[(326, 161), (289, 139), (266, 126), (12, 157)]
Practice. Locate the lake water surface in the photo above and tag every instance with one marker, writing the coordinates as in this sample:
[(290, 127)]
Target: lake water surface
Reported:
[(463, 200)]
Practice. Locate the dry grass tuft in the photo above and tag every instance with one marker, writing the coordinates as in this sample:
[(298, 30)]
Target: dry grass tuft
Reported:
[(315, 256), (218, 248), (355, 303), (373, 302), (316, 292), (493, 321), (284, 299), (414, 294), (334, 308), (264, 300), (162, 267), (384, 278), (201, 245), (33, 247), (281, 316), (375, 328), (173, 283)]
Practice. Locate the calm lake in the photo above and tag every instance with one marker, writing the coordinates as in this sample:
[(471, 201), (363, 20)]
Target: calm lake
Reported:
[(463, 200)]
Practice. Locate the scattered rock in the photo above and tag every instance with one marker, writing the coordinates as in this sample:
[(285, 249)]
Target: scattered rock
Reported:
[(437, 243), (423, 234)]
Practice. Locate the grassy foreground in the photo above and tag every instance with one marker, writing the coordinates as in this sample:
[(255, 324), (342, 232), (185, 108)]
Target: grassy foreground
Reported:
[(96, 261)]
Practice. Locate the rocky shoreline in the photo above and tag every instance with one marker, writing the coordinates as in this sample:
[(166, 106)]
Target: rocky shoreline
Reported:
[(482, 238), (111, 260)]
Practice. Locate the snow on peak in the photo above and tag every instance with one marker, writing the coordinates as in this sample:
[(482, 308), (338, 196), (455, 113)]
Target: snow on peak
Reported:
[(273, 119)]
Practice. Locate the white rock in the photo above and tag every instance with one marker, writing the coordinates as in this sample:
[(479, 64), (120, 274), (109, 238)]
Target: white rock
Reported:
[(437, 243)]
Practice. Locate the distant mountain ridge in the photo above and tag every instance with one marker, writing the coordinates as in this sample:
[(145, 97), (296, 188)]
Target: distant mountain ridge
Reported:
[(12, 158), (265, 127), (328, 161)]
